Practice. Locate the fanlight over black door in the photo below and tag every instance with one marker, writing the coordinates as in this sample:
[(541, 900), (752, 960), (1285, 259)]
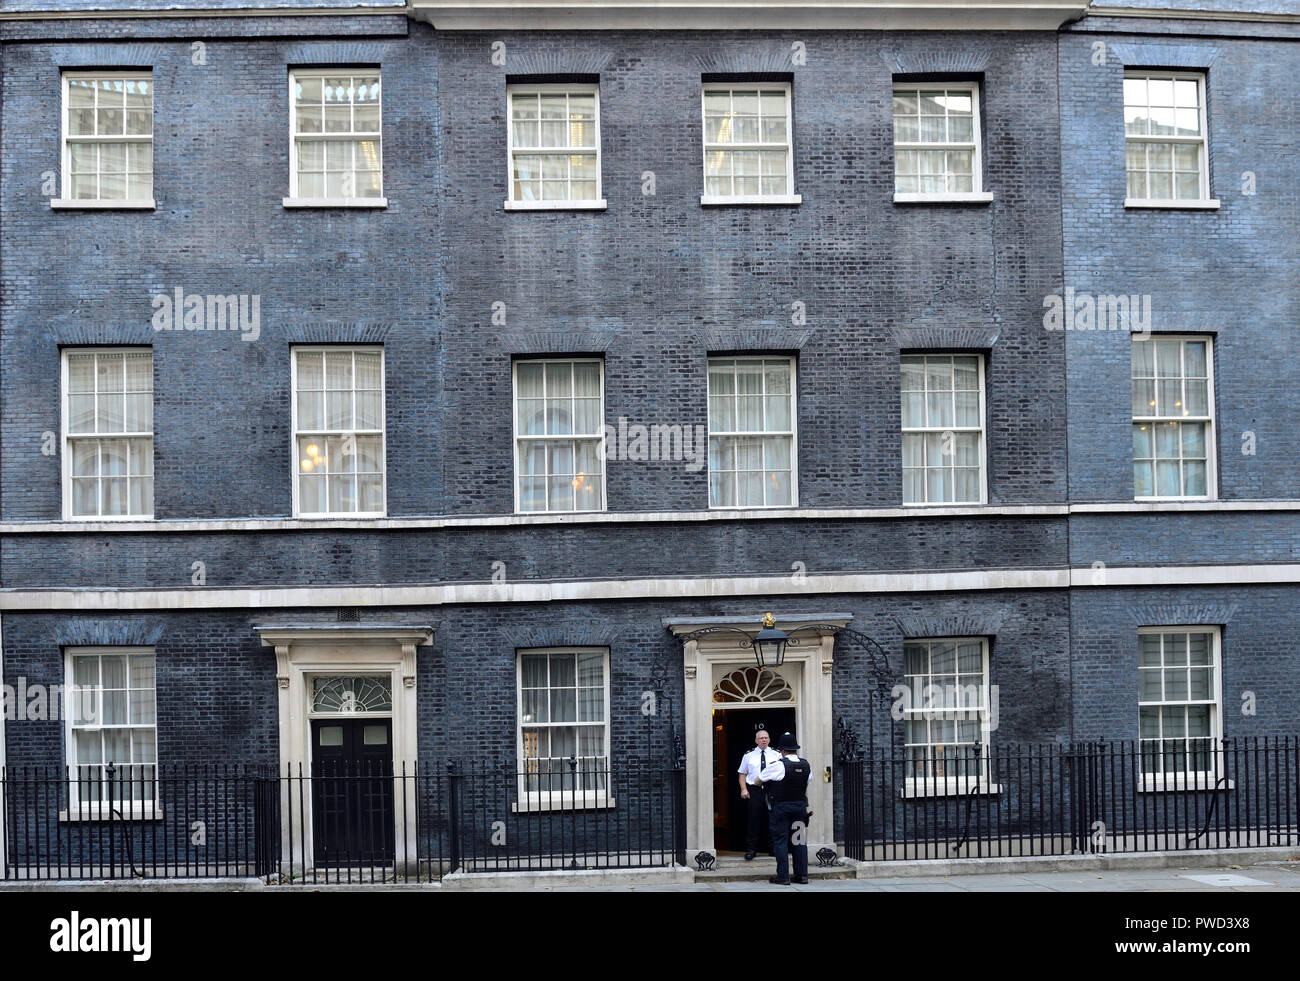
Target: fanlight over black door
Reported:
[(352, 791)]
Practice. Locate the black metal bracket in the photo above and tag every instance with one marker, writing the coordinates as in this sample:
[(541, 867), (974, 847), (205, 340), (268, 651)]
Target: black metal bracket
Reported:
[(1209, 815), (661, 671), (881, 676), (970, 800), (849, 744)]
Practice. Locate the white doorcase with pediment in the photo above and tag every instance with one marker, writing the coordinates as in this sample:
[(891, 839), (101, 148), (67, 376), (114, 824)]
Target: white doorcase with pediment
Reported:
[(304, 653), (808, 670)]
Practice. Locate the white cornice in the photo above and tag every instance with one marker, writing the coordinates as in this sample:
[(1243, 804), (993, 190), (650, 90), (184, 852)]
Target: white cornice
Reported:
[(877, 15), (691, 14)]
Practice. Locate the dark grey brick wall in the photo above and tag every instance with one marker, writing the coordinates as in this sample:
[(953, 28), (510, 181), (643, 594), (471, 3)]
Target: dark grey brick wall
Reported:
[(603, 551), (222, 423), (653, 285), (1225, 273), (640, 283), (1185, 538), (646, 279), (217, 692), (1256, 621)]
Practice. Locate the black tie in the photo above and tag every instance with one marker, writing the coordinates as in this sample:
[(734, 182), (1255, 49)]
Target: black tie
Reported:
[(762, 760)]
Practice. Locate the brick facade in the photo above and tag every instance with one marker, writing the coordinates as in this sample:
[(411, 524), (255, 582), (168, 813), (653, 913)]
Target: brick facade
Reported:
[(652, 285)]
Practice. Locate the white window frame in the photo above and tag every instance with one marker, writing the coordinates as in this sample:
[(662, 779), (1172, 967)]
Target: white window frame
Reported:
[(1211, 438), (67, 201), (565, 800), (293, 200), (1204, 201), (138, 808), (955, 784), (793, 431), (710, 200), (550, 88), (923, 430), (68, 438), (516, 438), (977, 194), (382, 432), (1187, 779)]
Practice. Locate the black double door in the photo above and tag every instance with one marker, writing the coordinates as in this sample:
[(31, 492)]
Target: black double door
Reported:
[(352, 791)]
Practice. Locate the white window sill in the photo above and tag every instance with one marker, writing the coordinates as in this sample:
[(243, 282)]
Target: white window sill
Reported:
[(964, 197), (944, 504), (1183, 782), (335, 202), (950, 787), (712, 200), (79, 204), (1171, 500), (344, 516), (740, 508), (540, 803), (554, 514), (92, 518), (133, 811), (597, 205), (1209, 204)]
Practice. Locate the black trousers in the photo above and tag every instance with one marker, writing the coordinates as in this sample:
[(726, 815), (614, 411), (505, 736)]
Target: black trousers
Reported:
[(758, 818), (785, 846)]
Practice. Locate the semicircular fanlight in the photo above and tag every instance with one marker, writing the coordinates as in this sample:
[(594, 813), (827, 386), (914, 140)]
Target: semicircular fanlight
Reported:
[(753, 685)]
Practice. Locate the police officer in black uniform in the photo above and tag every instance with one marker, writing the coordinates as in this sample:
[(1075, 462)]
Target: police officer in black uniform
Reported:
[(786, 782)]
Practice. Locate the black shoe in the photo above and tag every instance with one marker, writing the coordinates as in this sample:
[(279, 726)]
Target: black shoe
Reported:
[(801, 880), (777, 881), (749, 856)]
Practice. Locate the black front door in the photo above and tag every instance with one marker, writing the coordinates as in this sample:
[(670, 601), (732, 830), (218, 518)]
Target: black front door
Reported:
[(352, 790), (738, 727)]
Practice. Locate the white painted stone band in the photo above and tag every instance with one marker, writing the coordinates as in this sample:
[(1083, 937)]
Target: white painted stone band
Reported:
[(263, 597)]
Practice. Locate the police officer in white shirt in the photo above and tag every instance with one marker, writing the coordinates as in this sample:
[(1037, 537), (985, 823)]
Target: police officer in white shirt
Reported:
[(751, 765), (788, 779)]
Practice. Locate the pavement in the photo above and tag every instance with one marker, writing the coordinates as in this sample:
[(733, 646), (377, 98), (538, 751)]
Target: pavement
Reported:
[(1260, 877), (1258, 870)]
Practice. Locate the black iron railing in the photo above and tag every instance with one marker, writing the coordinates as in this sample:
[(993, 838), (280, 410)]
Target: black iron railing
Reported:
[(417, 822), (413, 822), (568, 814), (1100, 797)]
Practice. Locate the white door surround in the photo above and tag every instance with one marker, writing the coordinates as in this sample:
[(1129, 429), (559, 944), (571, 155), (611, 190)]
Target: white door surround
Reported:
[(807, 667), (302, 652)]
